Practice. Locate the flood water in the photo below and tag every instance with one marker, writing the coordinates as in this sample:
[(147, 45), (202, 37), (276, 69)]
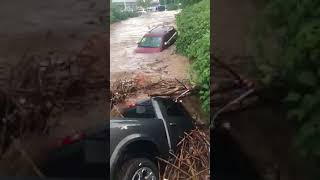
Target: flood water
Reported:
[(123, 38)]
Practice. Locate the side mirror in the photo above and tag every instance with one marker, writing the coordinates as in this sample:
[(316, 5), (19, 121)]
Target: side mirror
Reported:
[(165, 43)]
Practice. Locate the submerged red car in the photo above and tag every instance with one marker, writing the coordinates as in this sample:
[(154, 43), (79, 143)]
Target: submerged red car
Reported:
[(157, 39)]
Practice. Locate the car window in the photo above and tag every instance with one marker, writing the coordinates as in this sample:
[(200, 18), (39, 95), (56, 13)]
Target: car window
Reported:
[(166, 37), (169, 35), (143, 110), (174, 109), (152, 42), (172, 32)]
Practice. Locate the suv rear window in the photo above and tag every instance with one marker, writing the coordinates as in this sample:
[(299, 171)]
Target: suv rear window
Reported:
[(140, 110)]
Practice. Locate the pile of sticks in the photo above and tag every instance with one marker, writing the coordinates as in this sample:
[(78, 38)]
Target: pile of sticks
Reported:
[(192, 160), (170, 88), (173, 88), (37, 86), (121, 89)]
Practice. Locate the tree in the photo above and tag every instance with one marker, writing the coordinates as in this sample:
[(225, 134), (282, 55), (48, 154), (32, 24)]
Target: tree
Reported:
[(187, 2), (144, 3)]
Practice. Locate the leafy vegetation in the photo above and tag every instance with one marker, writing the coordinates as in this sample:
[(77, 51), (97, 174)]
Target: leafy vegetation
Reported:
[(174, 3), (117, 14), (171, 7), (193, 25), (293, 29), (144, 3), (185, 3)]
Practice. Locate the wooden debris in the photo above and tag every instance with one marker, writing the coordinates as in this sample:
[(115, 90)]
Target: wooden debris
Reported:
[(37, 85), (172, 88), (192, 159)]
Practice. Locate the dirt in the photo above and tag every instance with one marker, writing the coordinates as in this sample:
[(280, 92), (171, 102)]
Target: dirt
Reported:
[(36, 27)]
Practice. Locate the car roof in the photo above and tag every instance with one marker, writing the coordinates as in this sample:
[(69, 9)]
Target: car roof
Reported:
[(161, 29)]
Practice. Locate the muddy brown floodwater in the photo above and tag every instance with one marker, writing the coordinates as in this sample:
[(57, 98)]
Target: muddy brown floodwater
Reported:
[(125, 62)]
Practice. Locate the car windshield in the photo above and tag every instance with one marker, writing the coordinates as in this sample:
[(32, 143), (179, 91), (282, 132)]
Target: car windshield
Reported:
[(141, 110), (153, 42)]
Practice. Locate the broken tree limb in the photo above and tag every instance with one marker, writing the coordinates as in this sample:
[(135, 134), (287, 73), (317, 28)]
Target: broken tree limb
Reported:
[(192, 157), (184, 172), (168, 93), (182, 95), (117, 109), (182, 84)]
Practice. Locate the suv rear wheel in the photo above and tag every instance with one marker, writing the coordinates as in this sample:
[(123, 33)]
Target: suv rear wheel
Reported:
[(138, 169)]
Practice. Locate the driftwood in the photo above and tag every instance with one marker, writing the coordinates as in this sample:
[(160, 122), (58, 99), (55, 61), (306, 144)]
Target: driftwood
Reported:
[(172, 88), (167, 93), (192, 159), (37, 85)]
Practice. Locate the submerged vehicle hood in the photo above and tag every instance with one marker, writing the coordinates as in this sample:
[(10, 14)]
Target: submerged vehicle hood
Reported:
[(147, 50)]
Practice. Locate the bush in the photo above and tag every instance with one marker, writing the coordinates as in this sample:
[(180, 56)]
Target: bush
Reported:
[(171, 7), (193, 25), (118, 15), (295, 29), (185, 3)]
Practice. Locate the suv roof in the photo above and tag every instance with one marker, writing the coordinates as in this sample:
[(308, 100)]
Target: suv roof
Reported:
[(160, 29)]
